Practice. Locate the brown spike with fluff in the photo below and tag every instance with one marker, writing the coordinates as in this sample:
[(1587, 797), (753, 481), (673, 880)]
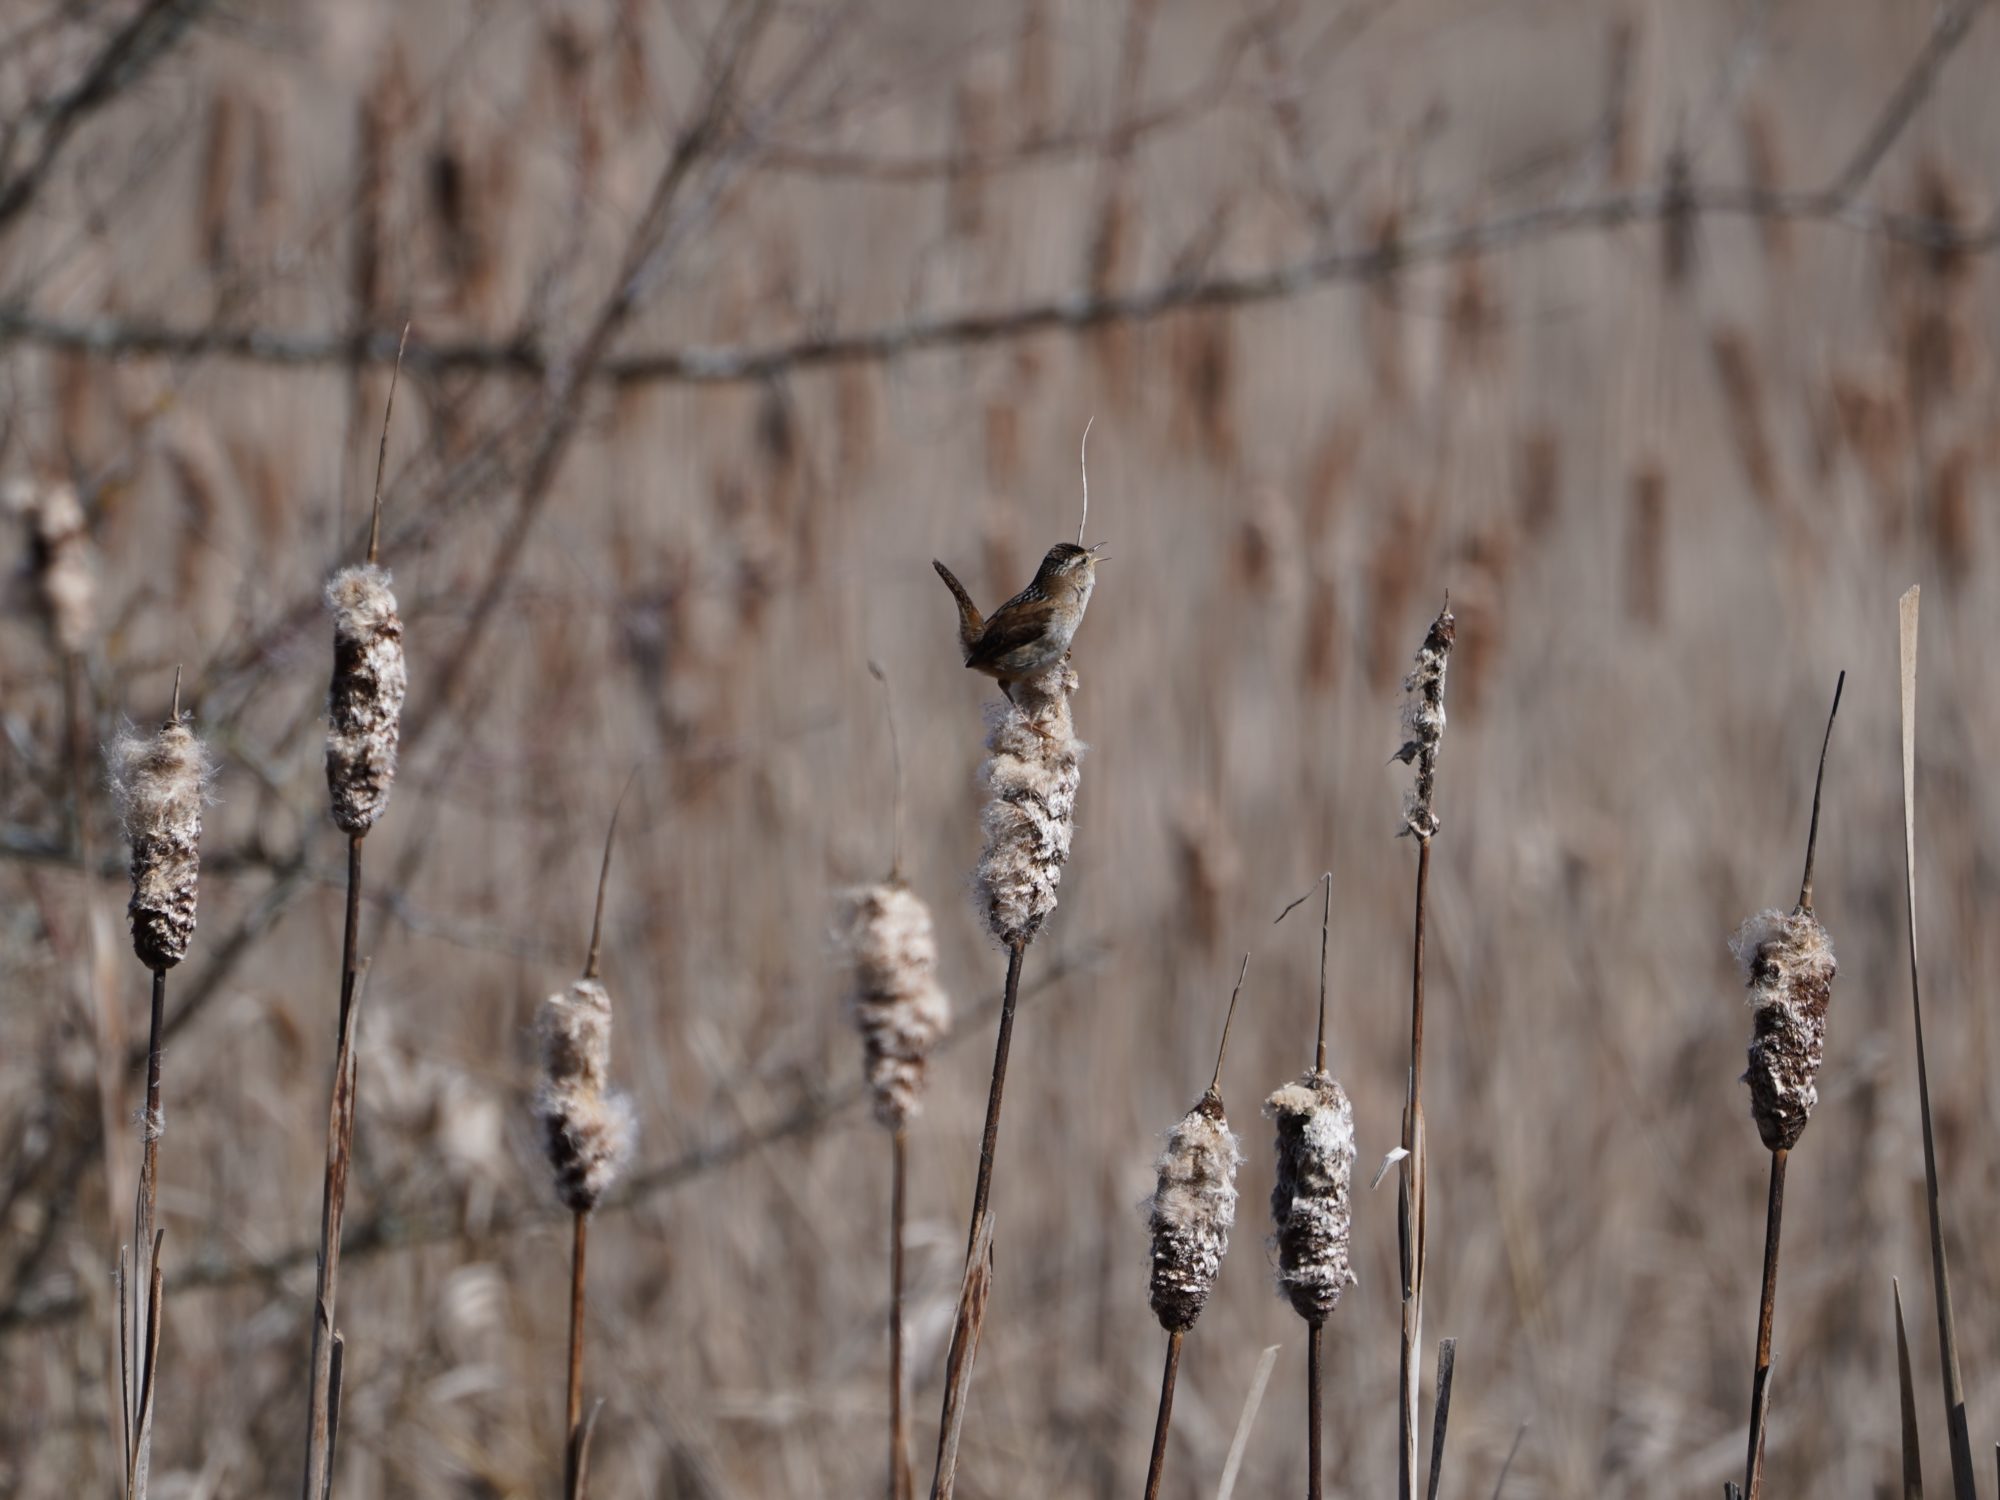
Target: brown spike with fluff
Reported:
[(160, 781), (364, 706)]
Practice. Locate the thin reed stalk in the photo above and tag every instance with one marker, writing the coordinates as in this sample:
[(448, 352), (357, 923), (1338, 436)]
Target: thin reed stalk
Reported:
[(1423, 725), (1311, 1201), (996, 1091), (160, 781), (1193, 1210), (1156, 1467), (1962, 1483), (1790, 965), (364, 714), (573, 1403), (900, 1478), (1767, 1302)]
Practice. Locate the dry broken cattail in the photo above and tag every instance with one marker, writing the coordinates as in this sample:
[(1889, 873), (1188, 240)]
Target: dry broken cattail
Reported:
[(160, 781), (898, 1006), (1032, 770), (1310, 1203), (1789, 964), (365, 702), (60, 554), (1193, 1210), (588, 1127), (1423, 723)]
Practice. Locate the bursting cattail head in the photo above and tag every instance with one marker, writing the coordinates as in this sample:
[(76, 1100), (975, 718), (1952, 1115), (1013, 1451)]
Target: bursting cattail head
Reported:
[(60, 554), (1423, 723), (1788, 962), (160, 781), (1310, 1203), (1032, 770), (588, 1128), (897, 1004), (364, 705), (1192, 1211)]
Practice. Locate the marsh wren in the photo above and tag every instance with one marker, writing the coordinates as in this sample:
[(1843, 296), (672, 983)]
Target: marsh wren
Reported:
[(1031, 631)]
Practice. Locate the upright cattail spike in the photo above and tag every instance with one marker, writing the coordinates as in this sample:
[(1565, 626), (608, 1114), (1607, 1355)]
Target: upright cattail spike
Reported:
[(1310, 1203), (365, 699), (588, 1127), (1194, 1203), (174, 713), (1789, 964), (1819, 783), (897, 1004), (1032, 770), (1222, 1047), (382, 453), (1423, 722), (160, 782)]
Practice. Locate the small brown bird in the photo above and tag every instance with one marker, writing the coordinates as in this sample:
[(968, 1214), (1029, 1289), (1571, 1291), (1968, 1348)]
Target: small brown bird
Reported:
[(1031, 631)]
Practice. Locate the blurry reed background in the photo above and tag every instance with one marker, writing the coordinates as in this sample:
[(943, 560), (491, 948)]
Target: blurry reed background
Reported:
[(1674, 462)]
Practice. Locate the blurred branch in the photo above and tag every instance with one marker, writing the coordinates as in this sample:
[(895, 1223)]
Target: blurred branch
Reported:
[(738, 364), (133, 48), (396, 1227)]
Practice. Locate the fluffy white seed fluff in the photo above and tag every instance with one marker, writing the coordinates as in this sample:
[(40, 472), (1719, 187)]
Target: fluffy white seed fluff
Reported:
[(1193, 1210), (1789, 965), (588, 1128), (364, 707), (1423, 723), (896, 1001), (160, 781), (1032, 770), (1310, 1204)]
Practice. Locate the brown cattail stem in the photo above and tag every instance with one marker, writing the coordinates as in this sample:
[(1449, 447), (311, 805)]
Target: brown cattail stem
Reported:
[(1767, 1302), (573, 1405), (1165, 1419), (1412, 1205), (320, 1396), (146, 1268), (958, 1361), (989, 1137), (1315, 1349), (900, 1480)]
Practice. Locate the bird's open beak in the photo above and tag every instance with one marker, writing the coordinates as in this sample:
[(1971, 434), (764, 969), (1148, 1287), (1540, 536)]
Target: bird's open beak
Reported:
[(1098, 554)]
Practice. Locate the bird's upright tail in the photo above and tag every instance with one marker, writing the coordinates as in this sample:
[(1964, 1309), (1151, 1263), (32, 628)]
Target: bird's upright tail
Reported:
[(970, 622)]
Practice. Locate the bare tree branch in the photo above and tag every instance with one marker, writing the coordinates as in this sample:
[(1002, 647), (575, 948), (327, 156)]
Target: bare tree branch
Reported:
[(132, 49)]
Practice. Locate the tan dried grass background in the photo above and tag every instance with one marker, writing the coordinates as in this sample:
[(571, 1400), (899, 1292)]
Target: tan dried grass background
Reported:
[(1667, 513)]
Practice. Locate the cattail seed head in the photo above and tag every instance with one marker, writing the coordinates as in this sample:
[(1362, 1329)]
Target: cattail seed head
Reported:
[(1032, 770), (1788, 961), (160, 781), (1310, 1203), (1193, 1210), (364, 706), (897, 1004), (588, 1127), (62, 559), (1423, 723)]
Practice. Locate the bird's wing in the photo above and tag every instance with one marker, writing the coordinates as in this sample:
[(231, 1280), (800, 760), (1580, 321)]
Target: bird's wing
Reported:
[(1014, 625)]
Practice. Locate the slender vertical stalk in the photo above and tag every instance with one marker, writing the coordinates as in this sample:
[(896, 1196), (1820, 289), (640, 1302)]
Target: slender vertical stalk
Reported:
[(573, 1406), (1962, 1483), (1315, 1460), (989, 1137), (333, 1199), (146, 1261), (1165, 1418), (899, 1436), (1767, 1303), (1412, 1204)]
